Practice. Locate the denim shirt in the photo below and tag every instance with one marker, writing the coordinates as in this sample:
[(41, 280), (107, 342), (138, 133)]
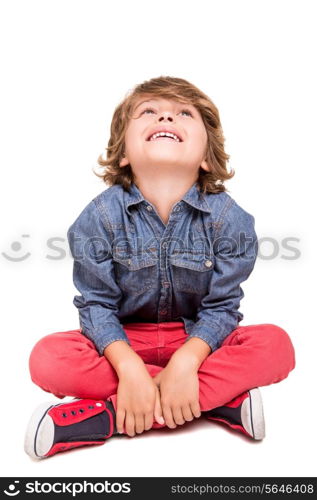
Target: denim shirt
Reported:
[(131, 267)]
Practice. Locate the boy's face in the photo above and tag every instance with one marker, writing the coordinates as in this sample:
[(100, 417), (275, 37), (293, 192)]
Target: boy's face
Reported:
[(184, 156)]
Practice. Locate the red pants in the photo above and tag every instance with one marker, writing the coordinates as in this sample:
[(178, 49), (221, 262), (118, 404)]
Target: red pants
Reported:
[(67, 363)]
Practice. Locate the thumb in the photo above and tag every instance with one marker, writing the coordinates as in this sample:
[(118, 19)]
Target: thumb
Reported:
[(158, 409)]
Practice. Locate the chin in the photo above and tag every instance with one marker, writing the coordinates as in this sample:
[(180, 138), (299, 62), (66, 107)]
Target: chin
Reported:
[(165, 159)]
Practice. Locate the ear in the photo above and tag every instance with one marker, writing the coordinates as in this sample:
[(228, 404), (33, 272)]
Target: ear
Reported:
[(204, 165), (124, 162)]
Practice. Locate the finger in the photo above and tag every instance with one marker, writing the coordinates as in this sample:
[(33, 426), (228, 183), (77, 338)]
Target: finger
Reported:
[(130, 424), (168, 417), (120, 420), (139, 423), (178, 415), (148, 421), (187, 413), (195, 407), (158, 413)]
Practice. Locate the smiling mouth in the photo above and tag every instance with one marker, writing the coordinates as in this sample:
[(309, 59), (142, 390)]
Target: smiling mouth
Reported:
[(164, 135), (169, 139)]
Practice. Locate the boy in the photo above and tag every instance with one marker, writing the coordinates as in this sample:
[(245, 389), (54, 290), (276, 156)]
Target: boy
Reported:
[(159, 257)]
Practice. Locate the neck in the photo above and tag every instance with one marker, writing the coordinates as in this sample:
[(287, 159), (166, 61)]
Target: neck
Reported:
[(164, 194)]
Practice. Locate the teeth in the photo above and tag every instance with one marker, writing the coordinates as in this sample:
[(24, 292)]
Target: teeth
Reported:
[(164, 134)]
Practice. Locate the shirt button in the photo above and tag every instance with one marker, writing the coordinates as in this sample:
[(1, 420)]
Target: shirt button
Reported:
[(208, 263), (149, 208)]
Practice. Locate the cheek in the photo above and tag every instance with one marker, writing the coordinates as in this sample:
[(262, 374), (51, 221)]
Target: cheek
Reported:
[(132, 140), (198, 139)]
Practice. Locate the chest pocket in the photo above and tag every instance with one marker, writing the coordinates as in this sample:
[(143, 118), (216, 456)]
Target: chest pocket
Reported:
[(192, 271), (135, 273)]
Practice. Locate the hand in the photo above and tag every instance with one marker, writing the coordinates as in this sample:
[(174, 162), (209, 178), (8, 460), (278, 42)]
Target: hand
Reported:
[(138, 401), (179, 390), (157, 378)]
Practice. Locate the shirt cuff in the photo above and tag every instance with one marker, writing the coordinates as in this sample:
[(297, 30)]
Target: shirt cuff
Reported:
[(105, 335), (210, 333)]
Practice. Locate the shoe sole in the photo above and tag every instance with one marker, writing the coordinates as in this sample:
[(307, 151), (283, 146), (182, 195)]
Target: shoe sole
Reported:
[(39, 435), (252, 414)]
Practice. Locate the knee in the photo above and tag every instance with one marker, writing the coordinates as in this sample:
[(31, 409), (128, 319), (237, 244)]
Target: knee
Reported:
[(281, 344), (44, 356)]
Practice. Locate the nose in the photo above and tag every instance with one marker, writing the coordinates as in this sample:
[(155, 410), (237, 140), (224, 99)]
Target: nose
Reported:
[(166, 115)]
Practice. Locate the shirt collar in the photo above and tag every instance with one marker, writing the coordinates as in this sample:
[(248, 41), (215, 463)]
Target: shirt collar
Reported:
[(193, 197)]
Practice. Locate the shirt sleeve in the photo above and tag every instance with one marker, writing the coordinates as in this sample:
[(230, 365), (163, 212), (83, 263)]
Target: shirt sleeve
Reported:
[(93, 276), (235, 248)]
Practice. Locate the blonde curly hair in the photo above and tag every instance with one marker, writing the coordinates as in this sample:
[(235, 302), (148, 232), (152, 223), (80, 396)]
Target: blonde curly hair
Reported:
[(182, 91)]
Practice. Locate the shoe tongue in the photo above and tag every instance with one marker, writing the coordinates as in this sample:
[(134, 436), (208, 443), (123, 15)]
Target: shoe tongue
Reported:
[(233, 415), (91, 429)]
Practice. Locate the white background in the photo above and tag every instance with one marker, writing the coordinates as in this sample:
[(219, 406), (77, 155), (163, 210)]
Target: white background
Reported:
[(65, 66)]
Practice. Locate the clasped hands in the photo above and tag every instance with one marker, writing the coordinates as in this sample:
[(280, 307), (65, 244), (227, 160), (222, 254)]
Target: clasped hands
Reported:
[(170, 398)]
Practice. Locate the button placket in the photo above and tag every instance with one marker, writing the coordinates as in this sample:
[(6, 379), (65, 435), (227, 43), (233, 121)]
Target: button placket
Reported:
[(163, 306), (165, 296)]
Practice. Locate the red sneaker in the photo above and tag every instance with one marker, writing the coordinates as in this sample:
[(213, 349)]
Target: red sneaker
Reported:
[(243, 413), (53, 428)]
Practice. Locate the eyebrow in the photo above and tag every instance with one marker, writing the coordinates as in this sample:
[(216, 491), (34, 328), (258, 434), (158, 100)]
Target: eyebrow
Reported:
[(142, 102)]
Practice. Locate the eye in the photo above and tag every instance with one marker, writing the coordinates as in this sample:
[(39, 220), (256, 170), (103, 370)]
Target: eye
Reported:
[(187, 111), (146, 109), (183, 111)]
